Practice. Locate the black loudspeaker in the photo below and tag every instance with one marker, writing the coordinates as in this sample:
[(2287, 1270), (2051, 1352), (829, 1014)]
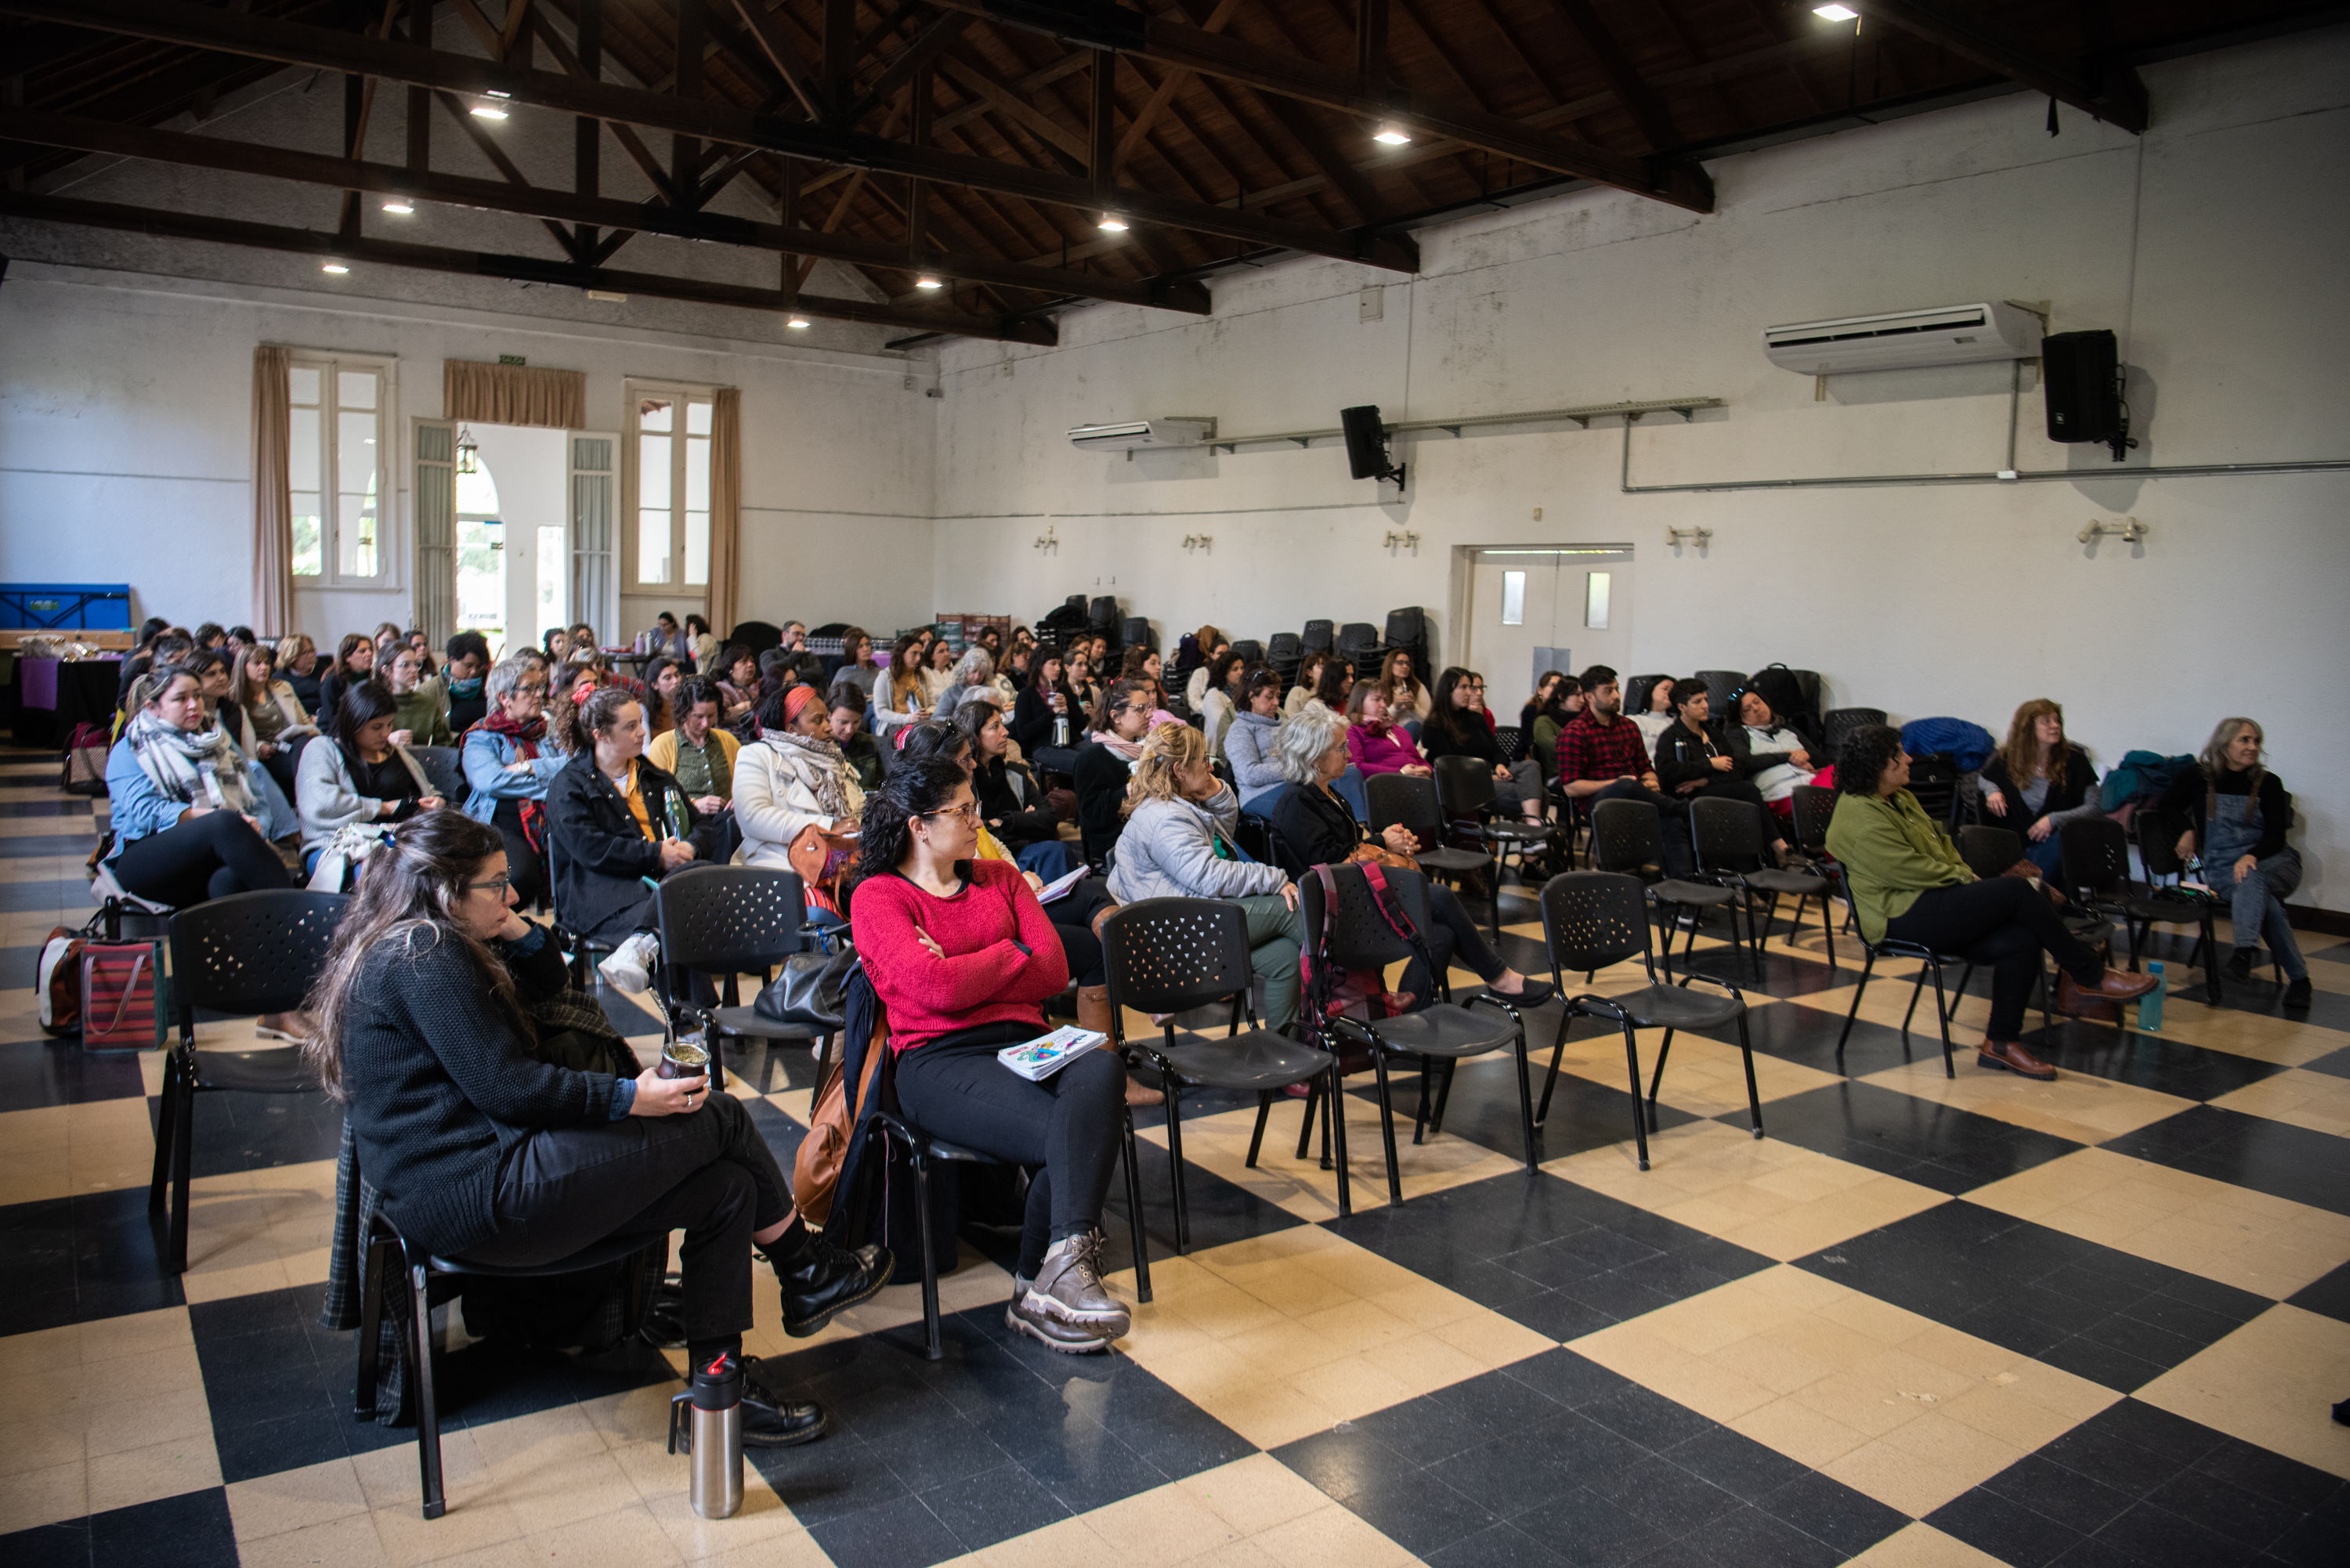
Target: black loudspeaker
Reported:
[(2080, 377), (1366, 444)]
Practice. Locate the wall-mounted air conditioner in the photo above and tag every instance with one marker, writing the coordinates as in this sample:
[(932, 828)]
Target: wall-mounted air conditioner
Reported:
[(1134, 435), (1902, 340)]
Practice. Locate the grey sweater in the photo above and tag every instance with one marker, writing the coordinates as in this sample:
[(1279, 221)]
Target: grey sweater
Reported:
[(1169, 851)]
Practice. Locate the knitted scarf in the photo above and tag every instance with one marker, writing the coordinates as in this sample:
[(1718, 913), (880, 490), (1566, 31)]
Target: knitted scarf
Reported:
[(830, 766), (525, 739), (1130, 750), (200, 768)]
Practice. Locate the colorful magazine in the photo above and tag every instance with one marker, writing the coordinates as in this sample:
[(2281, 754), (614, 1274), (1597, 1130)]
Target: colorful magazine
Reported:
[(1037, 1060)]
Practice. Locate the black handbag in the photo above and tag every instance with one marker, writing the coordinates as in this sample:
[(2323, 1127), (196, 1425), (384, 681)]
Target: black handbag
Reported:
[(807, 991)]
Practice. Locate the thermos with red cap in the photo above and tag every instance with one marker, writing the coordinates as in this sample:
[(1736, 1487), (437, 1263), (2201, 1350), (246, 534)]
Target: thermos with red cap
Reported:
[(708, 1416)]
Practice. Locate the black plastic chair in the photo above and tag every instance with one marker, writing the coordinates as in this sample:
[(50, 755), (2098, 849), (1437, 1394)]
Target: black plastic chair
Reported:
[(2158, 851), (1729, 838), (2095, 851), (1814, 809), (725, 921), (1358, 643), (1168, 956), (1989, 852), (1360, 938), (1413, 803), (247, 954), (1627, 836), (582, 950), (1318, 637), (757, 636), (1636, 693), (445, 769), (1592, 920), (1837, 724), (1251, 650), (1930, 964), (1464, 792), (420, 1269)]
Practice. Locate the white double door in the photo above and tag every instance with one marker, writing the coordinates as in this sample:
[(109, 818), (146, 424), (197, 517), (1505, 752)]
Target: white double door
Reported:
[(1532, 608)]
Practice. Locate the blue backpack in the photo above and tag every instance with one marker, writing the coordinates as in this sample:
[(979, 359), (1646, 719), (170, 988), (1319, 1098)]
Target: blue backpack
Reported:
[(1969, 746)]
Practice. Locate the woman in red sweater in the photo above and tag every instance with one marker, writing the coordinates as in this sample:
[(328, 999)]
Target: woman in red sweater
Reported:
[(962, 956), (1373, 744)]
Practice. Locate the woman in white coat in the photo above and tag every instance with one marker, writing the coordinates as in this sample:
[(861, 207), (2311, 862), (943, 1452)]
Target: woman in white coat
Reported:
[(792, 778)]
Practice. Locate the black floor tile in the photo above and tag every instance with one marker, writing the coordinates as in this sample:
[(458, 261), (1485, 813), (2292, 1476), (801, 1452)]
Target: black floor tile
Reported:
[(2099, 1314), (2274, 1158), (59, 1071), (1484, 1109), (2007, 1530), (237, 1131), (1220, 1211), (899, 1533), (20, 966), (1755, 1537), (2165, 1065), (76, 1260), (58, 893), (1828, 1511), (29, 845), (44, 808), (1496, 1546), (1807, 1037), (2334, 1062), (992, 1505), (1884, 1130)]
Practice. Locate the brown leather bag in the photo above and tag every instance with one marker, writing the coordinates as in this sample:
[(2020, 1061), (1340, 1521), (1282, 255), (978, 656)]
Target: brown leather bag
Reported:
[(816, 1169)]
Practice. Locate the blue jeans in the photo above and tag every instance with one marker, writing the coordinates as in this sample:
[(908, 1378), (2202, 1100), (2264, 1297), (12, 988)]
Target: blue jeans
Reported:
[(1355, 792), (2256, 904), (1049, 858)]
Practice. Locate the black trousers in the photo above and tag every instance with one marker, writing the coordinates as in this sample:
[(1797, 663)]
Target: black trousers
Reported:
[(1065, 1130), (207, 857), (524, 865), (2004, 923), (563, 1188), (1445, 909), (1072, 915)]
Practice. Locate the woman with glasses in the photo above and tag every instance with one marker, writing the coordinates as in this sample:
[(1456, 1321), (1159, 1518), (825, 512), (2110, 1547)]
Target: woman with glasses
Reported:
[(508, 765), (1105, 763), (963, 959)]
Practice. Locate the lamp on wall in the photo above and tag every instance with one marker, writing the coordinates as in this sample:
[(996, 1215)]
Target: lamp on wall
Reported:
[(469, 451), (1199, 541), (2129, 530), (1675, 537), (1050, 539)]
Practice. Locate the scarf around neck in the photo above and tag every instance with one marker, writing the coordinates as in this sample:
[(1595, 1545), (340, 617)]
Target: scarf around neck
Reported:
[(831, 766), (203, 768), (1130, 750)]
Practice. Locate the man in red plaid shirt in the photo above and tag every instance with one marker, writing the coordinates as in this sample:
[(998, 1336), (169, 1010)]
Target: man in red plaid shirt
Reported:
[(1602, 757)]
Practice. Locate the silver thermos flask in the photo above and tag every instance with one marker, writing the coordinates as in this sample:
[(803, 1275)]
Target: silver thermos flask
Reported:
[(709, 1417), (1061, 730)]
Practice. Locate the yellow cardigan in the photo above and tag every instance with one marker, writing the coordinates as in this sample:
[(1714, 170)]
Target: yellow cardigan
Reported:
[(1891, 852)]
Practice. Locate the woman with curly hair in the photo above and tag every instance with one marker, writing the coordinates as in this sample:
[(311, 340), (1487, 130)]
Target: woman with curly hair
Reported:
[(1907, 882)]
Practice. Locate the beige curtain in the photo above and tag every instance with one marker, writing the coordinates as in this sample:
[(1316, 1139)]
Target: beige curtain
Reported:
[(272, 496), (725, 507), (513, 395)]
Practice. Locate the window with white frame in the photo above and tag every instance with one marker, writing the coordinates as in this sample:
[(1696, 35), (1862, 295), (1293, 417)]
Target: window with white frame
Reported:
[(670, 452), (339, 465)]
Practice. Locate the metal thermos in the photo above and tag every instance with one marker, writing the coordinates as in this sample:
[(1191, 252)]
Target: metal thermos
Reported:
[(1061, 730), (709, 1417)]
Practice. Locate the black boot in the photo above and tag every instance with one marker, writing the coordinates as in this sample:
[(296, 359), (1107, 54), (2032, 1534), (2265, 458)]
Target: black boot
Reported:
[(772, 1422), (2239, 965), (2296, 995), (820, 1280)]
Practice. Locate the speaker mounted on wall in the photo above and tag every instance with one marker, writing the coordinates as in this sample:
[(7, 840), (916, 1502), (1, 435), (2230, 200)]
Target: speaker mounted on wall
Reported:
[(2081, 383), (1366, 446)]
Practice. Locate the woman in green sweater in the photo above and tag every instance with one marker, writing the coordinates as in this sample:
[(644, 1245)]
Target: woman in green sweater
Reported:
[(1908, 883), (417, 713)]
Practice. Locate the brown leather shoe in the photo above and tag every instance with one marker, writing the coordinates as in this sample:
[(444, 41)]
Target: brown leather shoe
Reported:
[(2117, 985), (2009, 1057)]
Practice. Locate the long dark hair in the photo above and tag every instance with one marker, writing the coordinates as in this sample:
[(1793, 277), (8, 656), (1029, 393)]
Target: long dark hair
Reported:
[(917, 786), (362, 704), (412, 882), (1220, 670), (575, 729), (1443, 716), (352, 642), (1868, 752), (1113, 697)]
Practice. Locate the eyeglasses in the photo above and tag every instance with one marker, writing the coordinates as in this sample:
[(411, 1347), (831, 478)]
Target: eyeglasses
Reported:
[(527, 691), (497, 884), (967, 811), (1134, 707)]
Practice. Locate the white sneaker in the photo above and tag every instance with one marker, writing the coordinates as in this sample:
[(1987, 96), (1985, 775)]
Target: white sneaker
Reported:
[(630, 966)]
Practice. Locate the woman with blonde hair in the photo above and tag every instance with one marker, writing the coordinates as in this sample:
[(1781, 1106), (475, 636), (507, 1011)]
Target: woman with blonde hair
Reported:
[(1179, 843), (2238, 812), (2039, 780)]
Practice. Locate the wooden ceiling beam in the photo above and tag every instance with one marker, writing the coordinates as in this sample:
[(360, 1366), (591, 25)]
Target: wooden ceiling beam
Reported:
[(2108, 89), (1642, 103)]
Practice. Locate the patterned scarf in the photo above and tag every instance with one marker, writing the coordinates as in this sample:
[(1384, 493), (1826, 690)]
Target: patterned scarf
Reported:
[(830, 767), (525, 739), (200, 768)]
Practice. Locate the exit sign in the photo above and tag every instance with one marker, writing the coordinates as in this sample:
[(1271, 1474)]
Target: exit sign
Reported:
[(512, 359)]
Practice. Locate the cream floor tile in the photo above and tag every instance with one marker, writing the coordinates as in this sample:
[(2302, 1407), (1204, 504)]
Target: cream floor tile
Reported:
[(44, 1496), (2076, 1106), (157, 1470), (1283, 1335), (297, 1499), (627, 1538), (252, 1231), (2318, 1101), (2271, 1246), (1841, 1382), (2267, 1383), (57, 1151), (345, 1543), (2286, 1042), (1772, 1198), (1920, 1545), (1703, 1075), (1330, 1537), (975, 1282)]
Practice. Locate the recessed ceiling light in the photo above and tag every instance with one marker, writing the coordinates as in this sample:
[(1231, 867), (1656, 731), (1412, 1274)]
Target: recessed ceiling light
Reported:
[(797, 324), (485, 111), (336, 267), (1836, 13), (1112, 223), (494, 92), (403, 208), (1391, 133), (927, 283)]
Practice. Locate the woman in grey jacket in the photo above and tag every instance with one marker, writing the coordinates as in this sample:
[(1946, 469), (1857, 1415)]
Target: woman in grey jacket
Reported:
[(1177, 844), (355, 776), (1248, 743)]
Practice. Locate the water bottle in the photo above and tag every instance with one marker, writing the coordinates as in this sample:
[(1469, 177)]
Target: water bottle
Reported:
[(709, 1417), (673, 809), (1061, 730), (2149, 1006)]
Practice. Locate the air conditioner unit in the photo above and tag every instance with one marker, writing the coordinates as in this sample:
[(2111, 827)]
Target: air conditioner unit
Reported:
[(1902, 340), (1132, 435)]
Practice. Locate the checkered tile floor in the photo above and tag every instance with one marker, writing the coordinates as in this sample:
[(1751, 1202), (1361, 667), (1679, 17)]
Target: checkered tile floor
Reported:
[(1923, 1322)]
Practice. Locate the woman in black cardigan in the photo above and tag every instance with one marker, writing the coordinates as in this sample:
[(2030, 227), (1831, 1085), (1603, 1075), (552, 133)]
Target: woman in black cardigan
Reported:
[(1043, 699), (1456, 726), (2038, 782), (486, 1152)]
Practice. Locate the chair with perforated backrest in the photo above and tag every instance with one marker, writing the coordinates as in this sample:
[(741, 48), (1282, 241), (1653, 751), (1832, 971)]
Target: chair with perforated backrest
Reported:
[(1719, 685), (1395, 798), (1989, 852), (1837, 724), (1282, 652), (444, 770), (1464, 792), (1352, 933), (1251, 650), (247, 954), (2094, 854), (1930, 963), (1635, 692), (725, 921), (2165, 874), (1729, 838), (1513, 741), (1319, 637), (1629, 836), (1592, 920), (1168, 956), (1357, 644)]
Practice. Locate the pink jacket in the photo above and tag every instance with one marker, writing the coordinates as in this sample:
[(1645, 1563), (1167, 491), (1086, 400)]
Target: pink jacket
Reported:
[(1388, 753)]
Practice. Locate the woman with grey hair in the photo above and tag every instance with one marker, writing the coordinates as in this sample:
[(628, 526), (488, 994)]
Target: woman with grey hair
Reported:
[(974, 672), (508, 764), (2238, 812), (1314, 823)]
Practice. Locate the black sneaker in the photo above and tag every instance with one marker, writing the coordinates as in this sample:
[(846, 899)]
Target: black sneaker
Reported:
[(769, 1422), (2239, 966), (823, 1280), (2296, 995)]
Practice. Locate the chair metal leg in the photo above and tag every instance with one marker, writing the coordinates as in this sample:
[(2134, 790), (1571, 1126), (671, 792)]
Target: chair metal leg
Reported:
[(1664, 1049), (1859, 986), (1950, 1068), (1443, 1098), (1256, 1139), (1339, 1125), (428, 1409), (1525, 1099), (371, 1330), (1827, 928), (932, 1349), (1917, 990), (1175, 1158), (1387, 1127), (166, 1122), (1639, 1123), (1333, 1110), (1966, 978), (183, 1138), (1141, 1239), (1427, 1093), (1753, 1095), (2211, 961), (1313, 1092), (1557, 1053)]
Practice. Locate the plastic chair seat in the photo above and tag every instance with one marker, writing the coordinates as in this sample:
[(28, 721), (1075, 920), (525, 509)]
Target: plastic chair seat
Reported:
[(1672, 1007), (1445, 1030), (750, 1024), (1772, 880), (1703, 895), (1515, 832), (276, 1070), (595, 1254), (1442, 859), (1256, 1060)]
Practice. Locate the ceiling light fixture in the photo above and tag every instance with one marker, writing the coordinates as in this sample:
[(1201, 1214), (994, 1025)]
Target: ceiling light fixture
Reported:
[(1392, 134), (797, 324), (1836, 13), (336, 267), (927, 283), (1112, 223), (488, 111), (403, 208)]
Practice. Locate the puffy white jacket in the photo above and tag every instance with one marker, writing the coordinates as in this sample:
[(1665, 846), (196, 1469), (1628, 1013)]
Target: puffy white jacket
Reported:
[(775, 797)]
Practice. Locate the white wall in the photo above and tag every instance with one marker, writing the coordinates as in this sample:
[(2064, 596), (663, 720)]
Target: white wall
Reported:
[(2208, 244)]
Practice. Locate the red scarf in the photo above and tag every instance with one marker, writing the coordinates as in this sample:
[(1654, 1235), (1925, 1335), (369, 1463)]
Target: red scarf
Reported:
[(526, 738)]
